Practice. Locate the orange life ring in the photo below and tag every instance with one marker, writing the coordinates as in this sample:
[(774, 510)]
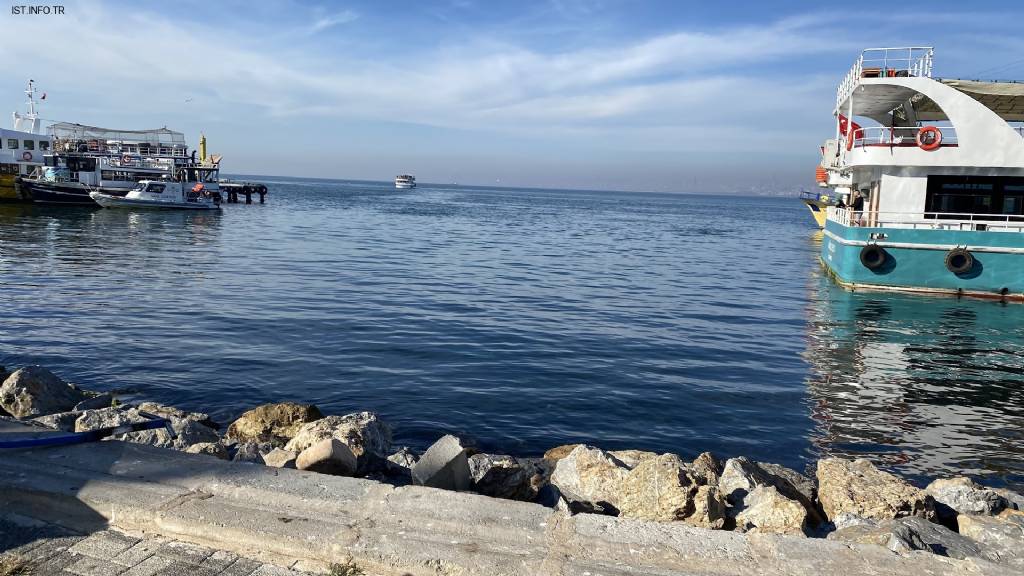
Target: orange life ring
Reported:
[(26, 156), (198, 188), (934, 140)]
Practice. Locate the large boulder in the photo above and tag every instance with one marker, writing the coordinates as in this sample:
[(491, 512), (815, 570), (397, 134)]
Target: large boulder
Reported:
[(741, 476), (35, 391), (250, 452), (1002, 535), (187, 431), (363, 432), (908, 534), (558, 452), (274, 423), (444, 465), (171, 413), (501, 477), (857, 487), (662, 489), (328, 456), (215, 449), (631, 458), (962, 496), (402, 461), (706, 469), (95, 401), (590, 475), (1013, 499), (766, 510), (280, 458), (64, 421)]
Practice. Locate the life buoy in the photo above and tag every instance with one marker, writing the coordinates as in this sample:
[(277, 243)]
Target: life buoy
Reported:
[(26, 156), (126, 159), (873, 256), (929, 138), (198, 187), (959, 261)]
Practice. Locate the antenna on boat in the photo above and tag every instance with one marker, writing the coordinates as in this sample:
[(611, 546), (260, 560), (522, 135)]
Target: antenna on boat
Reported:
[(28, 122)]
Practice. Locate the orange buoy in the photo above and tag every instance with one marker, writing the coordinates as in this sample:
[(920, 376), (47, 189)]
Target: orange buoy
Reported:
[(929, 138)]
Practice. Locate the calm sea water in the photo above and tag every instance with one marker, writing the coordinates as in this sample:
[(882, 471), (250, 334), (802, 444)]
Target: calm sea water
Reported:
[(521, 319)]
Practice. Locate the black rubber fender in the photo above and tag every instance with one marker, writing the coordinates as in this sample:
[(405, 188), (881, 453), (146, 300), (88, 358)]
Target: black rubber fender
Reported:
[(873, 256), (959, 261)]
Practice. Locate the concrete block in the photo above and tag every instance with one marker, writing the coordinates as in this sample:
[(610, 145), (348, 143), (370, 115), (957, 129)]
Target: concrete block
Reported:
[(106, 545), (443, 465), (280, 458), (328, 456)]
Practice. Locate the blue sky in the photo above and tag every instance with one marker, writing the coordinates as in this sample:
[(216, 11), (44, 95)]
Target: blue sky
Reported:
[(661, 96)]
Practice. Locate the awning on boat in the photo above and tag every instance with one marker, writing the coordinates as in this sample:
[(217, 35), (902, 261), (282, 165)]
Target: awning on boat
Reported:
[(1004, 98)]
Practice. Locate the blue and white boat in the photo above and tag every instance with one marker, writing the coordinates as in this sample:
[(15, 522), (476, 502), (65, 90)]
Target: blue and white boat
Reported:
[(929, 173)]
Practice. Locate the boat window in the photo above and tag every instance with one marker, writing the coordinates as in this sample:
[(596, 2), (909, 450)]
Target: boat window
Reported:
[(30, 144), (44, 145), (155, 188), (12, 143), (950, 196)]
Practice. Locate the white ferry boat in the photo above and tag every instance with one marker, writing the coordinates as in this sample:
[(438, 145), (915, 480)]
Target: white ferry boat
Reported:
[(928, 174), (86, 159), (21, 149), (405, 181)]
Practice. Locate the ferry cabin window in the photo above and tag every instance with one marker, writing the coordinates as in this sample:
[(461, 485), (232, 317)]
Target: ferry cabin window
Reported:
[(155, 188), (12, 143), (30, 144), (948, 196), (44, 145)]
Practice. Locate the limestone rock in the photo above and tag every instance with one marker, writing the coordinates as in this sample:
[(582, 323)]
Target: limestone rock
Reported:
[(501, 477), (589, 474), (363, 432), (846, 520), (558, 452), (1002, 536), (962, 495), (767, 511), (1015, 500), (857, 487), (741, 476), (908, 534), (250, 452), (95, 402), (107, 418), (706, 469), (631, 458), (215, 449), (328, 456), (402, 460), (709, 508), (806, 490), (661, 489), (64, 421), (274, 423), (35, 391), (172, 413), (444, 465), (280, 458)]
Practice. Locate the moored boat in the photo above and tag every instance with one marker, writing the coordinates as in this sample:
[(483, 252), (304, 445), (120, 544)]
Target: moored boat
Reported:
[(164, 195), (817, 203), (21, 149), (929, 177)]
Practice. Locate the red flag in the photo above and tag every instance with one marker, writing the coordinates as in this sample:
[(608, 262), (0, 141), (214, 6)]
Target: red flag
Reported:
[(843, 123)]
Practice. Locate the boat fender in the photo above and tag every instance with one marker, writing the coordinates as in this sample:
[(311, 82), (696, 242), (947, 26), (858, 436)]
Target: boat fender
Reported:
[(929, 138), (873, 256), (959, 261), (27, 156)]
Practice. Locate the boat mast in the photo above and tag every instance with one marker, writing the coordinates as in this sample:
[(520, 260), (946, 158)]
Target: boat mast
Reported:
[(28, 122)]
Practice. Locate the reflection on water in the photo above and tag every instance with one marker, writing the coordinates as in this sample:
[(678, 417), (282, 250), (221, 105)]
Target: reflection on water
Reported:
[(928, 386)]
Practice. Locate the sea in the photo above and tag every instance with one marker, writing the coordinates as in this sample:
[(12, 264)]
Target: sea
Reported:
[(519, 319)]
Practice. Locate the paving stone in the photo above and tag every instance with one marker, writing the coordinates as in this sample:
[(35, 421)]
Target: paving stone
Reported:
[(241, 567), (269, 570), (179, 568), (90, 566), (219, 560), (149, 567), (184, 552), (106, 544), (140, 551), (55, 564), (52, 547)]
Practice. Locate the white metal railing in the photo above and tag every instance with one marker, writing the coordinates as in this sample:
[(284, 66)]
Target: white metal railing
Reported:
[(885, 62), (898, 136), (927, 220)]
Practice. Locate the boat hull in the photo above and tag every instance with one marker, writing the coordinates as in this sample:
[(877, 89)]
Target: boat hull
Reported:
[(915, 260), (56, 193), (108, 201), (9, 189), (404, 186)]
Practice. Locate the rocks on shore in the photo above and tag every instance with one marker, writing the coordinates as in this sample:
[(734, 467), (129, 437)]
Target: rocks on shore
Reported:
[(850, 501)]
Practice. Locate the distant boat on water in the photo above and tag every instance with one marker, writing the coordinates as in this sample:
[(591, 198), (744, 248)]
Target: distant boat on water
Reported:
[(405, 181)]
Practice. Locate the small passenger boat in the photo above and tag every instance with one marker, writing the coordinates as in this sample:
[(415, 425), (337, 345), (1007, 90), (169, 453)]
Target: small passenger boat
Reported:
[(405, 181), (162, 195)]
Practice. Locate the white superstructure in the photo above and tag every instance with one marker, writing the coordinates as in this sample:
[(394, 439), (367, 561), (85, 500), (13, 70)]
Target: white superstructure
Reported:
[(405, 181)]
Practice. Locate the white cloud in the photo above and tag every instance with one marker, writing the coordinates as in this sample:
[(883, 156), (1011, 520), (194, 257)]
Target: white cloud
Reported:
[(324, 22)]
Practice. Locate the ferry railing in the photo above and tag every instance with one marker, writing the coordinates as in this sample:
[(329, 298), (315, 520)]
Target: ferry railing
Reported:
[(883, 63), (928, 220), (898, 136)]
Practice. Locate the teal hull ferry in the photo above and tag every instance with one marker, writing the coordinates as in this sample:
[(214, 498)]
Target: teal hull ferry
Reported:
[(928, 174)]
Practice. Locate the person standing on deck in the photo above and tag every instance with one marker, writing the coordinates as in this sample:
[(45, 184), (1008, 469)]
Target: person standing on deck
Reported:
[(858, 208)]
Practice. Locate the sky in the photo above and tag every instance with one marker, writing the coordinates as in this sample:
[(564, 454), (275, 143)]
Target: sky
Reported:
[(666, 96)]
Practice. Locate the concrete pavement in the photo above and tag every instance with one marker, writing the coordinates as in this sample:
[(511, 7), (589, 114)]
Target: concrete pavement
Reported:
[(283, 516)]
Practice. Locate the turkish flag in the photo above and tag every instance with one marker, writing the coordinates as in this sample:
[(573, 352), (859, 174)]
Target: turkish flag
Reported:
[(843, 122)]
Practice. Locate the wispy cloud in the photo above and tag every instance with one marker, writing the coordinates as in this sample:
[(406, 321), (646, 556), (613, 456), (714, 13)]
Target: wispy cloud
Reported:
[(324, 22)]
